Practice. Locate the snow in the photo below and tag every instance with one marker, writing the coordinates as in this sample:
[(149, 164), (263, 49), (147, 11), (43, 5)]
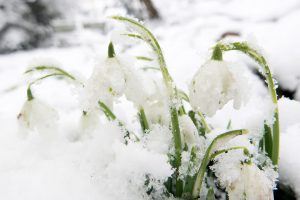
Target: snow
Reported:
[(94, 163), (289, 165)]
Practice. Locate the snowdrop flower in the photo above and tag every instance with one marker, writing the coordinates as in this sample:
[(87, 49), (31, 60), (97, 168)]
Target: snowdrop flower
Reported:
[(107, 82), (89, 121), (149, 94), (36, 115), (214, 85), (188, 130), (252, 184), (157, 103), (135, 90), (242, 179)]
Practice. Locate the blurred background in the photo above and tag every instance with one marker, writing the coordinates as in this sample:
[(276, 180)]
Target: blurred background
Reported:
[(73, 31), (185, 27)]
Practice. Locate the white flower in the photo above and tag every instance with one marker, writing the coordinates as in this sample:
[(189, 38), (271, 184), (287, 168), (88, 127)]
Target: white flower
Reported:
[(89, 121), (36, 115), (252, 184), (150, 93), (241, 180), (135, 90), (188, 130), (106, 83), (214, 85), (156, 105)]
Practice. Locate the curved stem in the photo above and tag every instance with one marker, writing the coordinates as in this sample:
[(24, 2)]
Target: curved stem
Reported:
[(204, 123), (208, 155), (255, 55), (147, 36), (55, 70), (29, 92)]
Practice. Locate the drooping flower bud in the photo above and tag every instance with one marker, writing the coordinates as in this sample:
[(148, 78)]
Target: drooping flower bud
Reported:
[(251, 184), (106, 83), (188, 130), (37, 115), (214, 85)]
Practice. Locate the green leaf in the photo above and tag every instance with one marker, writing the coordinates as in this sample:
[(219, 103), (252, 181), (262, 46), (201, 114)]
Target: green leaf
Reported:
[(223, 138), (144, 58), (268, 141), (276, 138), (108, 113)]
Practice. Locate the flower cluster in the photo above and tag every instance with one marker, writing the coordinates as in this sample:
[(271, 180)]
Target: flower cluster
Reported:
[(204, 160)]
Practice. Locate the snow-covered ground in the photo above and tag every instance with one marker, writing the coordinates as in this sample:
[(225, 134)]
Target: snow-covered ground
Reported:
[(98, 165)]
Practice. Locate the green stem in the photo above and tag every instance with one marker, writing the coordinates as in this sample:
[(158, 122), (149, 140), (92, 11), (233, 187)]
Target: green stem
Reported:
[(217, 54), (204, 123), (147, 36), (255, 55), (176, 137), (143, 120), (207, 157), (29, 93), (55, 70), (111, 51), (178, 149), (112, 117)]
